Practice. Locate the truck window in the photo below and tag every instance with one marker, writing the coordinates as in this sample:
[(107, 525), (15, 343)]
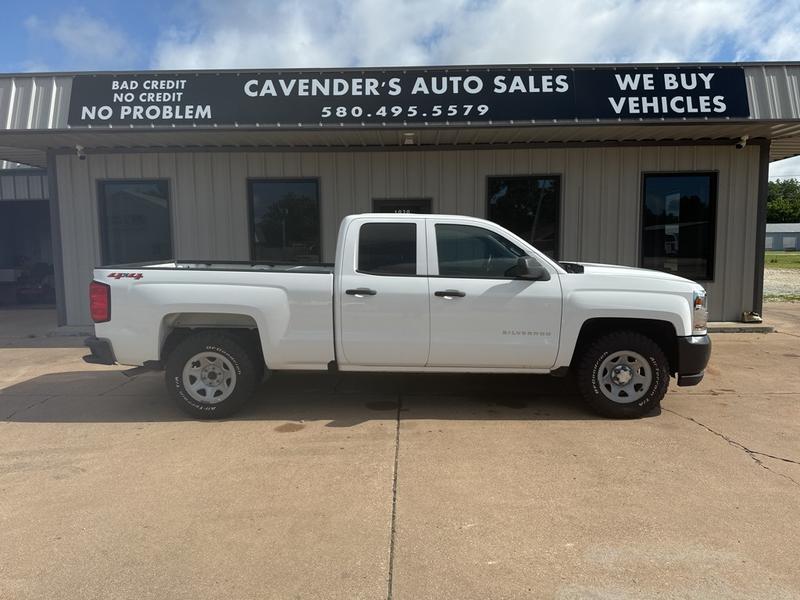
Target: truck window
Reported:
[(468, 251), (388, 249)]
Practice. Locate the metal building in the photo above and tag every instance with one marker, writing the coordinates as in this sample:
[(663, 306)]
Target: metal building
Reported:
[(782, 236), (661, 166)]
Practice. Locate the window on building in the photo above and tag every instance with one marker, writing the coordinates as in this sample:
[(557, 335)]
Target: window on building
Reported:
[(529, 207), (135, 221), (388, 249), (469, 251), (285, 220), (678, 223)]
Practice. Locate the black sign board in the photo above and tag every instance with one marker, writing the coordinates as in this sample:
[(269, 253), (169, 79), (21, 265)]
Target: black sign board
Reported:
[(418, 206), (408, 97)]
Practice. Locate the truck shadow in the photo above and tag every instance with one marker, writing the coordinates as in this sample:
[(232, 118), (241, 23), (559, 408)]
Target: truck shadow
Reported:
[(342, 399)]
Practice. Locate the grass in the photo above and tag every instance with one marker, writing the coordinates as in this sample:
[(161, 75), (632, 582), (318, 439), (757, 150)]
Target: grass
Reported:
[(782, 260), (781, 297)]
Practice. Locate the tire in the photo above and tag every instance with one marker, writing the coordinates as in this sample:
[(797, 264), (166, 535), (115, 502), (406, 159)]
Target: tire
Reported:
[(623, 375), (210, 375)]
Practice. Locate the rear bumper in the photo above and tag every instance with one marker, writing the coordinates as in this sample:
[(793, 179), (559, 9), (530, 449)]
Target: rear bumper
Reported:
[(102, 352), (693, 354)]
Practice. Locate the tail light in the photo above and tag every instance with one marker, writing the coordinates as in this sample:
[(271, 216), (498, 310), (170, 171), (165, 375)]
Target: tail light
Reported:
[(100, 301)]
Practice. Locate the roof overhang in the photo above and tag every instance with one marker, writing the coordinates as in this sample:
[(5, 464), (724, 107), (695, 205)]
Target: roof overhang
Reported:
[(41, 113), (31, 146)]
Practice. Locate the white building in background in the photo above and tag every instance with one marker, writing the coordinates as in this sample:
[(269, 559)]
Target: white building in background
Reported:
[(782, 236)]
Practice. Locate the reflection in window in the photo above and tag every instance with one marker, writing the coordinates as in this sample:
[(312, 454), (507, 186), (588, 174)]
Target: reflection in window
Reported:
[(134, 221), (679, 223), (528, 207), (387, 248), (284, 216), (468, 251)]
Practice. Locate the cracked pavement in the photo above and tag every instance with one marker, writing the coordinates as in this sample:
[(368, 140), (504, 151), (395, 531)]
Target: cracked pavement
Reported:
[(399, 486)]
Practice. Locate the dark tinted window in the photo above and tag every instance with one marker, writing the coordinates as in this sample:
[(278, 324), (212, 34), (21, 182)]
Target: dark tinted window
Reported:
[(528, 207), (284, 217), (678, 221), (134, 221), (467, 251), (388, 248)]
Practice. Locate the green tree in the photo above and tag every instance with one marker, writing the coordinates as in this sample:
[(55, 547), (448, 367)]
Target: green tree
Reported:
[(783, 201)]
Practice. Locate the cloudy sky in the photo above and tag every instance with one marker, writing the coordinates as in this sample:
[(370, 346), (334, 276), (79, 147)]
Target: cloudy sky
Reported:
[(53, 35)]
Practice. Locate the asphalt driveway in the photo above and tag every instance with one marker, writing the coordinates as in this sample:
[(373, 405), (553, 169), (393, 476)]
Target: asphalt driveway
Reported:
[(376, 486)]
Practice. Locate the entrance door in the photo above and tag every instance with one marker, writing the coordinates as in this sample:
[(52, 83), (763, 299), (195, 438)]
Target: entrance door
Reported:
[(383, 297), (481, 315), (417, 206)]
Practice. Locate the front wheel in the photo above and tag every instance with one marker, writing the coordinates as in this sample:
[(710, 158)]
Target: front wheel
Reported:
[(623, 375), (210, 375)]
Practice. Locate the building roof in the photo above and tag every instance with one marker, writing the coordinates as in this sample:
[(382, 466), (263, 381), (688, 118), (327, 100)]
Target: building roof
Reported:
[(783, 227), (35, 115)]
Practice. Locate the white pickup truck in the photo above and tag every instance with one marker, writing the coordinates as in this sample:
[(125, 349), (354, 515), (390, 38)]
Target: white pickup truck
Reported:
[(421, 293)]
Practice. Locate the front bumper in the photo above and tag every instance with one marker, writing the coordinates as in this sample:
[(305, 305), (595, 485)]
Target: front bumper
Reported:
[(693, 354), (102, 352)]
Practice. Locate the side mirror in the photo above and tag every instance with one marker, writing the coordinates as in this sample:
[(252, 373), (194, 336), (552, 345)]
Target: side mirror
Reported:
[(529, 268)]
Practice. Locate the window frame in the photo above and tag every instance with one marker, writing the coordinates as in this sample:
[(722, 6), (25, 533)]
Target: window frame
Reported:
[(102, 214), (422, 244), (417, 242), (434, 256), (713, 201), (558, 179), (251, 220)]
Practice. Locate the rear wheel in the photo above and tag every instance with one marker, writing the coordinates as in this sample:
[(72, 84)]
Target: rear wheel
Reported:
[(210, 375), (623, 375)]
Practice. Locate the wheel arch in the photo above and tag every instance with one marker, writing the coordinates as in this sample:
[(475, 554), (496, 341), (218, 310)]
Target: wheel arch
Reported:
[(175, 327), (661, 332)]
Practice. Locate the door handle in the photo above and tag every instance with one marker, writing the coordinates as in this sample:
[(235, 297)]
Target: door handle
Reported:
[(450, 294), (360, 292)]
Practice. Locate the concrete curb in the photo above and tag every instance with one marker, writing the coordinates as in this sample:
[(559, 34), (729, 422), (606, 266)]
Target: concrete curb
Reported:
[(733, 327)]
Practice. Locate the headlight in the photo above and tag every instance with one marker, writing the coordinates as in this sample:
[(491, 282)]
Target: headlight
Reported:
[(699, 312)]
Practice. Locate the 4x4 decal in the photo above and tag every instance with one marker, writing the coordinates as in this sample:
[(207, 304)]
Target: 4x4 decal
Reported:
[(118, 276)]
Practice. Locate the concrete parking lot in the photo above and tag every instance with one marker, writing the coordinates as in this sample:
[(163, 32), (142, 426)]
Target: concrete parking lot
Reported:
[(383, 486)]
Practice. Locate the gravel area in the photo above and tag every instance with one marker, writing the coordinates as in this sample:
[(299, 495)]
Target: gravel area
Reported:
[(781, 282)]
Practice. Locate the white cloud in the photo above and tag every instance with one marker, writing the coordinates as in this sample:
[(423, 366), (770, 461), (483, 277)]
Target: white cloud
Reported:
[(785, 169), (292, 33), (85, 41)]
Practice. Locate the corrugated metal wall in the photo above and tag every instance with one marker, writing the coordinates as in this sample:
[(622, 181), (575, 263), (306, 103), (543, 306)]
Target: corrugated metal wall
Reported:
[(780, 241), (773, 91), (600, 209), (23, 184), (34, 101)]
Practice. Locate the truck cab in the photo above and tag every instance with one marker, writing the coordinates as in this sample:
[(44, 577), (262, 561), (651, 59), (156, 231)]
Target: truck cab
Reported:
[(444, 293)]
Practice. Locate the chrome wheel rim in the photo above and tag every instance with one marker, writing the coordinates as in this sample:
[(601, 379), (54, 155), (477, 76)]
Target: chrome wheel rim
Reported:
[(209, 377), (624, 377)]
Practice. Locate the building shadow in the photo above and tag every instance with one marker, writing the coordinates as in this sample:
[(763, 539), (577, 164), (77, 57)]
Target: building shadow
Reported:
[(340, 399)]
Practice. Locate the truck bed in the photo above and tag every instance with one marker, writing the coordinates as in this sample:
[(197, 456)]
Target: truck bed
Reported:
[(231, 265), (291, 306)]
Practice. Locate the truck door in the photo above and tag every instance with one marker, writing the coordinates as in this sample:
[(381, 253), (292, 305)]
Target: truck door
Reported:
[(481, 315), (382, 293)]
